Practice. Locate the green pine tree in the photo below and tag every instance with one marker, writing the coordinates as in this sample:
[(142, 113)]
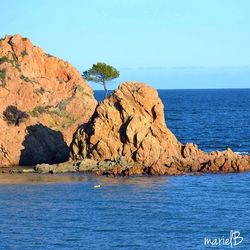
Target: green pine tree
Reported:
[(101, 73)]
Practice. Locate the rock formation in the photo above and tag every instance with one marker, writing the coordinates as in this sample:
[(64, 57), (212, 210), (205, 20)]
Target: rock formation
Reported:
[(44, 100), (53, 95), (130, 124)]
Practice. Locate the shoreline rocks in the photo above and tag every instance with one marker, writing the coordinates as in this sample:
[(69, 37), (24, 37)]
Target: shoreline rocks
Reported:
[(222, 162)]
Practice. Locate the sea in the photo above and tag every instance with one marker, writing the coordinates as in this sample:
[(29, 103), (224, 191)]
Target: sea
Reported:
[(210, 211)]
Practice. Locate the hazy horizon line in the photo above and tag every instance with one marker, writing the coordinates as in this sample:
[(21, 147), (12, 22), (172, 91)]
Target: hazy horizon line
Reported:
[(183, 89), (184, 67)]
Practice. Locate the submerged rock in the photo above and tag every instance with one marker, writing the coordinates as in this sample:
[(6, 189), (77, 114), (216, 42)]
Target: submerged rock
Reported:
[(52, 95), (130, 125), (65, 167)]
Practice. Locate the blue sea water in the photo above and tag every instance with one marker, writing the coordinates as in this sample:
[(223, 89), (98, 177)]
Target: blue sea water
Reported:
[(215, 119), (142, 212)]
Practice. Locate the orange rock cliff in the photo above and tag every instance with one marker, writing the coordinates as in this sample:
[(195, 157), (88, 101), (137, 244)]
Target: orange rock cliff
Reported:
[(51, 92)]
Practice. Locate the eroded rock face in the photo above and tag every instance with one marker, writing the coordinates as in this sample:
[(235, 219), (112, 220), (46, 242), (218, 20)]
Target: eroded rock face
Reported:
[(131, 124), (50, 91)]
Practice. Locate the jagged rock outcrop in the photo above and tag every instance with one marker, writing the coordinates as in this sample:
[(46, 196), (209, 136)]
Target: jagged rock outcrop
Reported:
[(131, 124), (50, 91)]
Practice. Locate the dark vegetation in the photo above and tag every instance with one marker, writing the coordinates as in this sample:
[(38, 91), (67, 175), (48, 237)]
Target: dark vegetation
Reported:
[(14, 62), (26, 79), (24, 53), (58, 110), (2, 78), (4, 59), (13, 116)]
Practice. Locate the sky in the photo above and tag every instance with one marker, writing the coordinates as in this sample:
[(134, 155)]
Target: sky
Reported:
[(166, 43)]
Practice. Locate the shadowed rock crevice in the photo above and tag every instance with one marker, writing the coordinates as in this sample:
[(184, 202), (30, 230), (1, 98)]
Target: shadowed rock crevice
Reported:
[(43, 145), (122, 131)]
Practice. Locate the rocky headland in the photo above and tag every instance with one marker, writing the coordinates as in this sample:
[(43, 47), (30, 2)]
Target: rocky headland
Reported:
[(125, 134), (128, 131), (52, 94)]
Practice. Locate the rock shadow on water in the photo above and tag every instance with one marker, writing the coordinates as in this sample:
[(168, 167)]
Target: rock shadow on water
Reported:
[(43, 145)]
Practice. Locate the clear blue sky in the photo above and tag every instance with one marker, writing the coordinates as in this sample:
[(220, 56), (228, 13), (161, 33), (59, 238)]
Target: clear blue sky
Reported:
[(196, 37)]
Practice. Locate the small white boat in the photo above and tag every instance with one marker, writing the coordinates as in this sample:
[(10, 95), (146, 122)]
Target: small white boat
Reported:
[(97, 186)]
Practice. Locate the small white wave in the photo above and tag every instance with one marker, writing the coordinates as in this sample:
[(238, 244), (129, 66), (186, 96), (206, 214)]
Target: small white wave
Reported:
[(242, 153)]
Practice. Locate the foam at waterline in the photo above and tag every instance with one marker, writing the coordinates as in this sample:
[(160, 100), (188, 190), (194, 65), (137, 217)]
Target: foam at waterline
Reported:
[(242, 153)]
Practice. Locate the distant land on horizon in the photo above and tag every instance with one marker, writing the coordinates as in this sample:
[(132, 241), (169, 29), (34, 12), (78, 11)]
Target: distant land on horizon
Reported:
[(185, 77), (111, 90)]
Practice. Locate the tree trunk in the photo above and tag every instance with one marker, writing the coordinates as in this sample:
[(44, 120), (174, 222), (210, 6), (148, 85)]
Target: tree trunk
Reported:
[(105, 89), (17, 122)]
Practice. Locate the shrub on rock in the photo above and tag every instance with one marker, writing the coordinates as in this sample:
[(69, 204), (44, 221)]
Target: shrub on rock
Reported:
[(13, 116)]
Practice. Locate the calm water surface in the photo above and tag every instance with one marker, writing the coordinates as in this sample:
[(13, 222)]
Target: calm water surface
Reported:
[(213, 119), (125, 213), (49, 212)]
